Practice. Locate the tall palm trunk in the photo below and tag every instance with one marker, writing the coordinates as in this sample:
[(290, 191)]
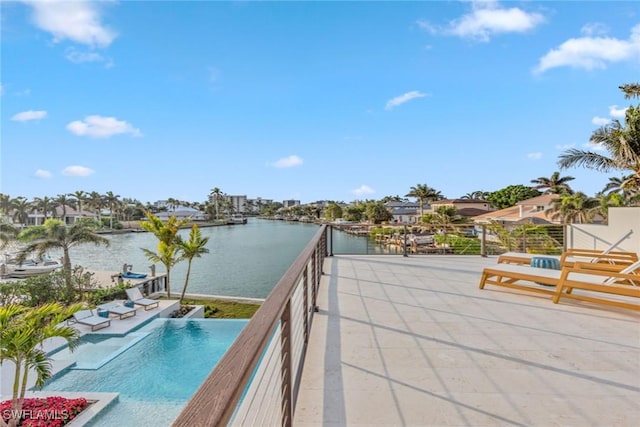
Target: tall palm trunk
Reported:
[(186, 282)]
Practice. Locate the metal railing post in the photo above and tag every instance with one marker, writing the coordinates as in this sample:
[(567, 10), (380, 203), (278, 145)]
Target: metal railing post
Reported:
[(285, 367), (404, 248), (331, 242), (483, 242)]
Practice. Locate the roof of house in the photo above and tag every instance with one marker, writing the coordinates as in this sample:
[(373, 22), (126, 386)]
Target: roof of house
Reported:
[(523, 211), (458, 201)]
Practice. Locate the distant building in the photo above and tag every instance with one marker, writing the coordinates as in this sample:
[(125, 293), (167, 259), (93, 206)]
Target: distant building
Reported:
[(239, 203), (182, 212), (254, 205), (290, 203), (404, 212)]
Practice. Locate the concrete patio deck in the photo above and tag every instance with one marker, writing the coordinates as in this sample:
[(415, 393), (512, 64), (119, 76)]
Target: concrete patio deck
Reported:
[(414, 341)]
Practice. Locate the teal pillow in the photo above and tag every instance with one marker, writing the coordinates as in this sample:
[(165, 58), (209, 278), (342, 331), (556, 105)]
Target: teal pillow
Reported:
[(129, 304), (103, 313)]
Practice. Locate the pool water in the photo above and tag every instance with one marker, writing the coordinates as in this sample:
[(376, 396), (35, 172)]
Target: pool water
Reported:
[(95, 350), (158, 371)]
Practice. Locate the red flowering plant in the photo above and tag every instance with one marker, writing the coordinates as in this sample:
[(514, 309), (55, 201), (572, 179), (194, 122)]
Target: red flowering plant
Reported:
[(53, 411), (22, 332)]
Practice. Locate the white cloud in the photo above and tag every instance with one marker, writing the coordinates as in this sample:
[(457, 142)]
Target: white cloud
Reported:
[(600, 121), (564, 147), (591, 52), (487, 19), (78, 21), (363, 190), (76, 56), (399, 100), (44, 174), (1, 89), (534, 156), (288, 162), (26, 116), (77, 171), (616, 112), (101, 127), (594, 29)]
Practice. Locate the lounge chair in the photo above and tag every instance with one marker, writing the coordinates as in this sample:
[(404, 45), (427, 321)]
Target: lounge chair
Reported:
[(570, 256), (607, 255), (87, 317), (593, 277), (117, 308), (136, 296)]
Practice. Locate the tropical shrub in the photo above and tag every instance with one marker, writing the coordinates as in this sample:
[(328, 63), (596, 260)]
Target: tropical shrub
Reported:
[(45, 288)]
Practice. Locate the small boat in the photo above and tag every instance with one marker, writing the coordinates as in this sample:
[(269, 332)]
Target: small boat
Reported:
[(237, 219), (28, 268), (132, 275)]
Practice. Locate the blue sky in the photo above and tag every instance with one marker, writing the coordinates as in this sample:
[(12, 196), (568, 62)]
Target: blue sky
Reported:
[(306, 100)]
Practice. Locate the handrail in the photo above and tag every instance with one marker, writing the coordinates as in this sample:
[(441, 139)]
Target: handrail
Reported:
[(218, 396)]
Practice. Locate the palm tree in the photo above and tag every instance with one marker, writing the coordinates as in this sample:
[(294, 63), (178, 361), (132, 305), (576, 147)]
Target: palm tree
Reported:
[(5, 205), (622, 142), (8, 233), (54, 234), (79, 196), (44, 205), (215, 194), (554, 185), (574, 208), (424, 193), (21, 209), (22, 332), (168, 242), (111, 200), (476, 195), (96, 201), (63, 201), (192, 248)]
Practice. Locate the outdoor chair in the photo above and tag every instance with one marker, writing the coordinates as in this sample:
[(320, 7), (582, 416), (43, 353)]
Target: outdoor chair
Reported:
[(117, 308), (87, 317), (591, 278), (570, 256), (136, 296)]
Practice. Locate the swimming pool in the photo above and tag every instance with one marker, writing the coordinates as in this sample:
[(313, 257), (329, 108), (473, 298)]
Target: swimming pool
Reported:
[(160, 368)]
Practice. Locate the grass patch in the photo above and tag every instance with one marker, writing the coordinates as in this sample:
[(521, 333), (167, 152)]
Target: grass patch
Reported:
[(221, 309)]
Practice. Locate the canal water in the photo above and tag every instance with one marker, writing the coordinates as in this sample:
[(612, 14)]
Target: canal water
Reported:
[(243, 260)]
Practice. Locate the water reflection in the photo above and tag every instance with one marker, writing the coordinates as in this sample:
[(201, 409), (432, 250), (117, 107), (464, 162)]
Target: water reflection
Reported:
[(243, 260)]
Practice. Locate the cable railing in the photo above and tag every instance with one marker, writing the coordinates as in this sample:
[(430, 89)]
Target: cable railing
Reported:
[(447, 239), (256, 381)]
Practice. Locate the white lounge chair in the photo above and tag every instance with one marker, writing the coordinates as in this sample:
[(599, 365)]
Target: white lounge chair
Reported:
[(87, 317), (117, 308), (136, 296)]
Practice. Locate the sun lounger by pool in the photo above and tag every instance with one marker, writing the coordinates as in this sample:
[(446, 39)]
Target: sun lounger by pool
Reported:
[(136, 296), (117, 308), (591, 277), (87, 317)]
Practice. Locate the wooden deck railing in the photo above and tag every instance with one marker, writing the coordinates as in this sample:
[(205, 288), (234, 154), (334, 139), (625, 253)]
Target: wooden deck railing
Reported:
[(256, 382)]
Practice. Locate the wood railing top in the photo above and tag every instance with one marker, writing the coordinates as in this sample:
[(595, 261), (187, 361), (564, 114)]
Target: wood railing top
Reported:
[(215, 400)]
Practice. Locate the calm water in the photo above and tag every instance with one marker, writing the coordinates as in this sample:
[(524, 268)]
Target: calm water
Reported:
[(157, 375), (243, 260)]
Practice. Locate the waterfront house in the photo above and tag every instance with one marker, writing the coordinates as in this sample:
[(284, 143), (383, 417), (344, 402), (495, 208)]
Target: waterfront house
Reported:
[(529, 211), (467, 208), (405, 212)]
